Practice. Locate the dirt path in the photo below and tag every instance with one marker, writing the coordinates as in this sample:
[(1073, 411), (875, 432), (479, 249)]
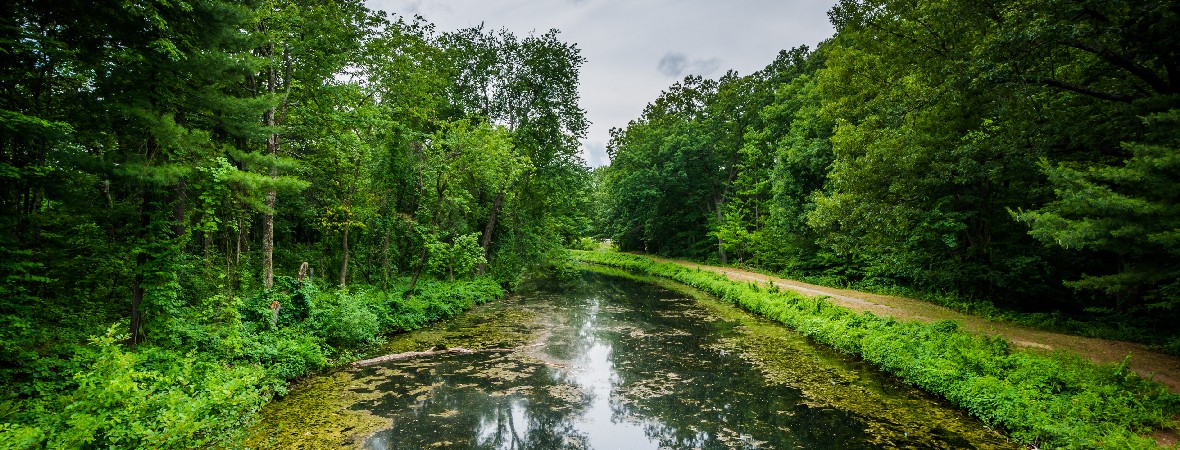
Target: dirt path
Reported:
[(1148, 364)]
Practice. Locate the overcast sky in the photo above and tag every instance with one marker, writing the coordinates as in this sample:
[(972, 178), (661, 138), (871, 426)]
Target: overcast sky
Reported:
[(637, 48)]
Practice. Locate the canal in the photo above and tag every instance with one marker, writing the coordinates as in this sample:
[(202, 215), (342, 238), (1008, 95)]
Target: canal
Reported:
[(612, 361)]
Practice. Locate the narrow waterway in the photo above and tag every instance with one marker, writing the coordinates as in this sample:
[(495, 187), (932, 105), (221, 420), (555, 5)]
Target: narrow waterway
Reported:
[(614, 362)]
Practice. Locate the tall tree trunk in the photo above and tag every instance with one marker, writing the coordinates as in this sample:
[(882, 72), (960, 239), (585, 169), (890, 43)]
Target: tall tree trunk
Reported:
[(417, 272), (439, 189), (230, 284), (272, 149), (141, 261), (385, 259), (268, 242), (717, 204), (486, 240), (344, 249)]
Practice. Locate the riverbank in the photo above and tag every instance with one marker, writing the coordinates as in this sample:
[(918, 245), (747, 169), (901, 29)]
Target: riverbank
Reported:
[(1058, 399), (614, 359), (207, 393), (1149, 364)]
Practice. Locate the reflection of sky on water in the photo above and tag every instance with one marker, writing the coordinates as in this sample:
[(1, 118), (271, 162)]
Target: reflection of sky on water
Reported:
[(604, 423), (622, 365)]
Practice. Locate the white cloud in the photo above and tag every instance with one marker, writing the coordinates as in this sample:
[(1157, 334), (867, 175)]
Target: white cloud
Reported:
[(675, 64), (626, 42), (594, 152)]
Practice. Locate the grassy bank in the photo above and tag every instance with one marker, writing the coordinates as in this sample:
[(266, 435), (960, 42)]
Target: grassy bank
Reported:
[(1099, 323), (204, 388), (1050, 401)]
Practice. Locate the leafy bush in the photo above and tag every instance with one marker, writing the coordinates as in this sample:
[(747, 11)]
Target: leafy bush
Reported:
[(585, 244), (1059, 400), (347, 320), (287, 353), (152, 398), (436, 300), (169, 397), (460, 256), (15, 436)]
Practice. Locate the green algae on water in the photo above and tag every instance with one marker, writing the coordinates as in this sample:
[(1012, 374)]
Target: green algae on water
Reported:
[(615, 363)]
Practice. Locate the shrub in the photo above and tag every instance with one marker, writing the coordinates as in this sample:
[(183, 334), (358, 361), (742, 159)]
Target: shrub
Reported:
[(345, 320), (20, 437), (157, 397), (153, 398), (585, 244), (286, 353)]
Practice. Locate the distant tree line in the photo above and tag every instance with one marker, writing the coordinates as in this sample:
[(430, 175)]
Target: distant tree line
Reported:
[(1023, 152)]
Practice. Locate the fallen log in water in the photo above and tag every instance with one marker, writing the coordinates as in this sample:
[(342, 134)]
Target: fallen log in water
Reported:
[(409, 355)]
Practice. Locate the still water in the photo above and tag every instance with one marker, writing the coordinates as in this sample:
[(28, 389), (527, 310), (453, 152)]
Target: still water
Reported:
[(615, 362)]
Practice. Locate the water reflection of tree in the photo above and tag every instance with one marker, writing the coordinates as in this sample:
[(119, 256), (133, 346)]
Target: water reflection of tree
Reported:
[(698, 398), (499, 430), (706, 399), (694, 397), (471, 407)]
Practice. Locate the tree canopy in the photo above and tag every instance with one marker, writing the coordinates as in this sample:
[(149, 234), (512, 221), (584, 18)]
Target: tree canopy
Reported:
[(246, 181), (202, 200), (1020, 153)]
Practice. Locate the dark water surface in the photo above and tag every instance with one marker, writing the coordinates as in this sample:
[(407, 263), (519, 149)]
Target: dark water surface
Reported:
[(611, 362)]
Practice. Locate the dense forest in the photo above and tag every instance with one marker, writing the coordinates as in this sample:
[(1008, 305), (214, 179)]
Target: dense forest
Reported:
[(201, 200), (1015, 153)]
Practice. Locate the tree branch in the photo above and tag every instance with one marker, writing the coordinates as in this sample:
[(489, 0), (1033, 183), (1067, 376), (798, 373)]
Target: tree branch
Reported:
[(1143, 73), (1121, 98)]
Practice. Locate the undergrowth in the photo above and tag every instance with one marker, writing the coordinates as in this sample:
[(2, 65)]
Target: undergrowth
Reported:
[(225, 358), (1052, 401)]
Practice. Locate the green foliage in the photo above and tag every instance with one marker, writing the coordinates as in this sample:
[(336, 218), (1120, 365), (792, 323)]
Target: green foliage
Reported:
[(167, 166), (348, 320), (1128, 209), (461, 256), (662, 182), (1057, 401), (586, 244), (20, 437), (155, 398), (434, 300), (1018, 154), (287, 354)]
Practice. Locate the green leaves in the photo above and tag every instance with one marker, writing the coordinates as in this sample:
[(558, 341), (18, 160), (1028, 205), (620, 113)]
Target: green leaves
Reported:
[(154, 153), (895, 152), (1128, 209), (462, 255), (156, 399)]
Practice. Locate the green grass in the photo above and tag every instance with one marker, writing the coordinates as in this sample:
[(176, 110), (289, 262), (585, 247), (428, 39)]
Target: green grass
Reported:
[(1095, 323), (1052, 401)]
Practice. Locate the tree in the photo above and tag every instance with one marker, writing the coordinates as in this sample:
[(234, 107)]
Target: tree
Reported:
[(529, 86), (802, 149), (174, 105), (923, 170), (305, 44), (1116, 67), (663, 183)]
